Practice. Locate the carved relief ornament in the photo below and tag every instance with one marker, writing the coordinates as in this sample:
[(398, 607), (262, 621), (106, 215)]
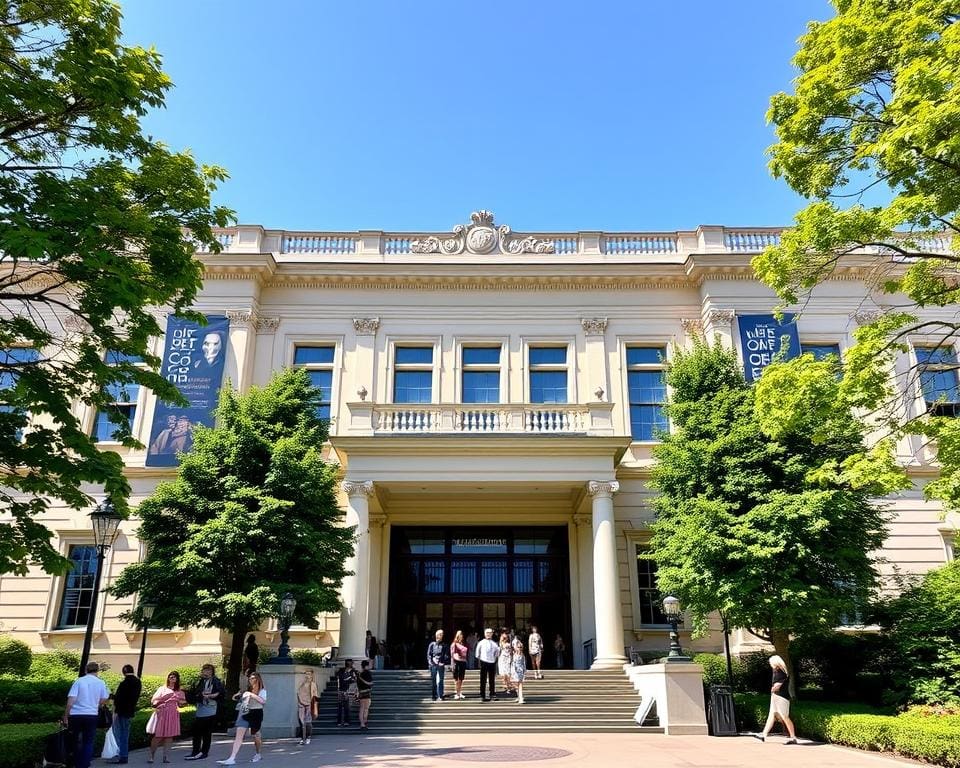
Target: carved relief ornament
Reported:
[(692, 326), (481, 237), (357, 487), (594, 326), (366, 326), (721, 316)]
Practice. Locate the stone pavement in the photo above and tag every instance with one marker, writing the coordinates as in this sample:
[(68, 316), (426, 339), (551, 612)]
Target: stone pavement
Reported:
[(539, 750)]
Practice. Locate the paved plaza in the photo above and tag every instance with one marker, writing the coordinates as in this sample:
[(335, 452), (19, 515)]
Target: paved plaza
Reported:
[(541, 749)]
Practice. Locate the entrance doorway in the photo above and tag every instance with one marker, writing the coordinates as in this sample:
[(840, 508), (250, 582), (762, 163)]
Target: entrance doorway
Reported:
[(468, 579)]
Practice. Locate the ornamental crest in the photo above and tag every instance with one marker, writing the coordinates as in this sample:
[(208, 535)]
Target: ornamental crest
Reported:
[(481, 237)]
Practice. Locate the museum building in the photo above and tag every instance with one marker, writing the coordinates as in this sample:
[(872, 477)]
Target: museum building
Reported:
[(494, 398)]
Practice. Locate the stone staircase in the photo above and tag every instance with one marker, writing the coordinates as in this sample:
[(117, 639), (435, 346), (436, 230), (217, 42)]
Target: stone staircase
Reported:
[(567, 701)]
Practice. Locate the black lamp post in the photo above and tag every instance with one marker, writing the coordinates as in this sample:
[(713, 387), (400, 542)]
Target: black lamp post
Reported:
[(671, 609), (146, 610), (287, 606), (106, 524)]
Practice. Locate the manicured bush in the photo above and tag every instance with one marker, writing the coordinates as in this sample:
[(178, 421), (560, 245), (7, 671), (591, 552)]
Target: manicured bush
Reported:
[(15, 656), (24, 700), (751, 672), (308, 656), (55, 664), (21, 746)]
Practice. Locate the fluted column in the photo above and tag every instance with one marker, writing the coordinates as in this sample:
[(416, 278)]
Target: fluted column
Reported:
[(355, 592), (606, 583)]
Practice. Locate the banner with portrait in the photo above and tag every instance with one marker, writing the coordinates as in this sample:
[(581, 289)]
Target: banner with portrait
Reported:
[(193, 361), (761, 339)]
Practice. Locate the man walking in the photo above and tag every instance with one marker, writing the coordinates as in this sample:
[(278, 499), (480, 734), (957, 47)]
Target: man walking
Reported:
[(438, 655), (124, 708), (206, 693), (86, 696), (487, 652)]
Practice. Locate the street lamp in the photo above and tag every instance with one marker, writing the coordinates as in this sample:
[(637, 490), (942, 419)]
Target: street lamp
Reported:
[(146, 610), (287, 606), (106, 524), (671, 608)]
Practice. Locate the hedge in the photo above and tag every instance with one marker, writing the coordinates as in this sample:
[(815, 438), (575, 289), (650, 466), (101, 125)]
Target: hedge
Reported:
[(21, 745), (931, 738)]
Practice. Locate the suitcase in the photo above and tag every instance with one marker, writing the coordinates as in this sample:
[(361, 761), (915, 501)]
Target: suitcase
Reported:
[(56, 749)]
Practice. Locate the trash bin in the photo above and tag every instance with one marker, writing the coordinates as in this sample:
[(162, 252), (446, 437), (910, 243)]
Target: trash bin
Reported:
[(723, 719)]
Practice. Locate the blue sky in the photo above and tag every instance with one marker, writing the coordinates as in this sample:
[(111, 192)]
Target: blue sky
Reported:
[(410, 115)]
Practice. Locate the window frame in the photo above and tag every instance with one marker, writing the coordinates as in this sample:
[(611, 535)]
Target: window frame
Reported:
[(393, 367), (570, 367), (924, 405), (9, 408), (814, 342), (500, 368), (136, 423), (66, 539), (331, 366), (649, 367), (636, 543)]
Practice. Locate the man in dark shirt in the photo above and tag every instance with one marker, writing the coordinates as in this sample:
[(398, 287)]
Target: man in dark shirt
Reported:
[(438, 655), (124, 708), (346, 677)]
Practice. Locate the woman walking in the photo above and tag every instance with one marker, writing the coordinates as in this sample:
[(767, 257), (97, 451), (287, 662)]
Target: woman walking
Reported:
[(518, 668), (535, 646), (249, 718), (459, 652), (505, 662), (779, 701), (364, 692), (166, 701), (307, 696)]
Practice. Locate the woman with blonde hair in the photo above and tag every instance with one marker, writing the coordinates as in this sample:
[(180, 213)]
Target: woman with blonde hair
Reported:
[(307, 696), (779, 701), (458, 654), (505, 662), (249, 718), (518, 668)]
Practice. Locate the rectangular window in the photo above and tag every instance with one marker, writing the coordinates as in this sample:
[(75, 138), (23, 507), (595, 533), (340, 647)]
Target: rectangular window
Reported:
[(548, 374), (481, 374), (11, 361), (78, 587), (647, 391), (123, 402), (318, 363), (821, 351), (651, 606), (937, 367), (413, 377)]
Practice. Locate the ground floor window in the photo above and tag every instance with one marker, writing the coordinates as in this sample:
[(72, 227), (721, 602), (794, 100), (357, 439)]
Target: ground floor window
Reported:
[(78, 587), (651, 602)]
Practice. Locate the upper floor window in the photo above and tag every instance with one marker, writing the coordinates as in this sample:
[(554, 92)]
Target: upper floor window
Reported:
[(481, 374), (820, 351), (651, 606), (937, 367), (548, 374), (413, 375), (318, 362), (78, 587), (123, 397), (11, 361), (647, 390)]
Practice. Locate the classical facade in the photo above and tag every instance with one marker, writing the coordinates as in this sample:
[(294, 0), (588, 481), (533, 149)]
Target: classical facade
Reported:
[(494, 399)]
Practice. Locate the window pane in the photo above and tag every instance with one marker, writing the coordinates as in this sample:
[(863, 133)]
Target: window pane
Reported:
[(821, 351), (322, 380), (549, 577), (548, 386), (104, 429), (467, 544), (481, 386), (13, 357), (312, 355), (939, 385), (412, 386), (426, 544), (434, 572), (114, 358), (651, 610), (523, 575), (646, 421), (463, 576), (646, 387), (414, 355), (531, 546), (123, 392), (493, 576), (481, 355), (936, 355), (548, 355), (646, 355), (78, 587)]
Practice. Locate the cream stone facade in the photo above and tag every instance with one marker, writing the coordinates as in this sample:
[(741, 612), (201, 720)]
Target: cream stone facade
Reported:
[(530, 479)]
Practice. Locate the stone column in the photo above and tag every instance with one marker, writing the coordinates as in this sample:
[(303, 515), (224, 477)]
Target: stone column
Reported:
[(606, 582), (587, 623), (355, 592)]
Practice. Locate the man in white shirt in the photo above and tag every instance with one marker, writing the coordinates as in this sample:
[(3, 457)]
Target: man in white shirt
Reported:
[(86, 696), (487, 652)]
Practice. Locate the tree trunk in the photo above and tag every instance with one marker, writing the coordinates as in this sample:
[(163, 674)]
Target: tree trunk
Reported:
[(235, 659), (781, 644)]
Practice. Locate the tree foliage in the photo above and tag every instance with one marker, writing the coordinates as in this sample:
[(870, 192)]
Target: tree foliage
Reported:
[(98, 222), (875, 116), (251, 515), (770, 522)]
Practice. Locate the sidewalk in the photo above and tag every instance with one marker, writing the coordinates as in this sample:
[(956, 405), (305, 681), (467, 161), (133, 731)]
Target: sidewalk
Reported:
[(536, 749)]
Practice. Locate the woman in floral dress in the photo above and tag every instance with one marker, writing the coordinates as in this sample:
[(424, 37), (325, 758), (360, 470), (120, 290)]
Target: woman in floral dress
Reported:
[(167, 702), (518, 668), (505, 662)]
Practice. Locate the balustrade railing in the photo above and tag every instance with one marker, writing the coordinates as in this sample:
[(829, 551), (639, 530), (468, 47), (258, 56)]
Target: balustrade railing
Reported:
[(458, 418), (318, 243), (750, 241), (629, 244)]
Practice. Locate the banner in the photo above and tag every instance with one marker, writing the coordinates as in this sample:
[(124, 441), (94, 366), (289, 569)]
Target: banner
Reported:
[(193, 358), (761, 339)]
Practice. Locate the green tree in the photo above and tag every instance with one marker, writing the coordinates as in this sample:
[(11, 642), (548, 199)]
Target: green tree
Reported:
[(770, 523), (251, 515), (875, 116), (98, 222)]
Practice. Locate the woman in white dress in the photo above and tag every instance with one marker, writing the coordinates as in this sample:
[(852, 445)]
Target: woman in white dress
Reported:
[(518, 668), (505, 662)]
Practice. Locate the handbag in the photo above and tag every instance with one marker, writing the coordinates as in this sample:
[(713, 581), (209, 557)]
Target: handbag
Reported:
[(110, 747), (243, 707), (104, 717), (152, 724)]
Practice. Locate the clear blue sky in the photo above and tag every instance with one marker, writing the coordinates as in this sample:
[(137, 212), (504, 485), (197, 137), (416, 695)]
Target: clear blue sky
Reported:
[(409, 115)]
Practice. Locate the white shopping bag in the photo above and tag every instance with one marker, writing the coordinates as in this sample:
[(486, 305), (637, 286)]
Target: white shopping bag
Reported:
[(110, 748)]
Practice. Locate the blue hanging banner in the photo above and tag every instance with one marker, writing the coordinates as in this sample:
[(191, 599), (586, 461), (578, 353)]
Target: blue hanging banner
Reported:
[(193, 358), (762, 338)]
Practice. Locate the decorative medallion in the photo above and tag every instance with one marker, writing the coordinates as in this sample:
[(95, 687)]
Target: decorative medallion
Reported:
[(481, 237)]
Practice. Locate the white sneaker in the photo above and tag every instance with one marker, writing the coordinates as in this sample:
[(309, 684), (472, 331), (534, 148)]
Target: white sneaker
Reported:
[(228, 761), (307, 741), (256, 758), (301, 742)]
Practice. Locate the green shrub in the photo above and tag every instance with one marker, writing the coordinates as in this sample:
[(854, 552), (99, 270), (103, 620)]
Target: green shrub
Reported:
[(308, 656), (929, 740), (24, 700), (15, 656), (21, 746), (266, 652)]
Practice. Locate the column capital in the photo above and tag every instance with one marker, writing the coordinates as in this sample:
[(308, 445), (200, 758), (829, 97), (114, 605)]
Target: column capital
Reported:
[(354, 488), (267, 324), (594, 326), (692, 326), (378, 520), (600, 489), (721, 316), (583, 520), (241, 317), (366, 326)]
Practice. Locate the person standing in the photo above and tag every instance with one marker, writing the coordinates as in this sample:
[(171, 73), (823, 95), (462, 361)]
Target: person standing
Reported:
[(206, 694), (251, 656), (518, 668), (458, 654), (438, 656), (505, 662), (559, 648), (535, 646), (86, 696), (779, 701), (124, 708), (249, 718), (346, 679), (306, 701), (472, 649), (487, 653), (364, 692), (166, 700), (371, 647)]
